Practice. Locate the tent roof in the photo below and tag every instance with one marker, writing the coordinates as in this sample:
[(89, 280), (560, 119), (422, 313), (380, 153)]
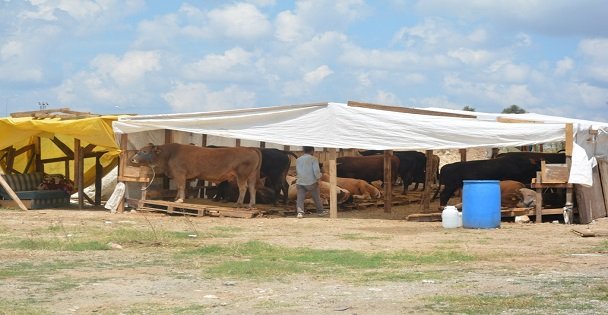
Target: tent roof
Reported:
[(92, 130), (337, 125)]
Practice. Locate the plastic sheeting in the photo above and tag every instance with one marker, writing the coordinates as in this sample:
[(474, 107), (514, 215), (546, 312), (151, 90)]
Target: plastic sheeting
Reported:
[(335, 125)]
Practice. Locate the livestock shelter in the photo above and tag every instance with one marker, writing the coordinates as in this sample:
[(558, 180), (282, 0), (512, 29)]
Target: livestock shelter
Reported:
[(333, 126), (78, 145)]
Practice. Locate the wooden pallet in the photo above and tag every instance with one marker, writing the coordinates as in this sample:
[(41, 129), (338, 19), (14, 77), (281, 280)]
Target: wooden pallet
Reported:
[(171, 207)]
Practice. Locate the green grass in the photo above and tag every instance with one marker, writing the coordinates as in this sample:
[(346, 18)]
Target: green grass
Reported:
[(575, 297), (602, 247), (156, 308), (24, 307), (257, 259), (28, 269), (55, 245)]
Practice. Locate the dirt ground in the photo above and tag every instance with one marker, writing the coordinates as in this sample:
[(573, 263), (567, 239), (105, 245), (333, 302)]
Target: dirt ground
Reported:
[(519, 268)]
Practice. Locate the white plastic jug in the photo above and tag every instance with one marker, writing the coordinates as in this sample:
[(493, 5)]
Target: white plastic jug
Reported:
[(451, 218)]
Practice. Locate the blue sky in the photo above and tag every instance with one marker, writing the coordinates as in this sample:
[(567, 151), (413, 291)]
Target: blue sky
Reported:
[(149, 57)]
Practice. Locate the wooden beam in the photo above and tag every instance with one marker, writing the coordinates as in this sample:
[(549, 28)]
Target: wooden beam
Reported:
[(63, 147), (517, 120), (407, 110), (463, 155), (98, 177), (388, 181), (122, 165), (79, 172), (569, 139), (12, 193), (88, 149), (425, 203), (333, 188)]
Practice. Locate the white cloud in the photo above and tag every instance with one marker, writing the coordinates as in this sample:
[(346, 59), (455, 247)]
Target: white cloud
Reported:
[(563, 66), (129, 69), (159, 32), (523, 40), (441, 101), (234, 64), (506, 71), (188, 97), (241, 20), (289, 28), (315, 76), (385, 97), (495, 93), (478, 36), (470, 56), (11, 49), (430, 32), (595, 58), (309, 80), (79, 9)]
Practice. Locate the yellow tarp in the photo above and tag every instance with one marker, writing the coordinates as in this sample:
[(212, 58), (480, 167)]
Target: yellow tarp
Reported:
[(21, 132)]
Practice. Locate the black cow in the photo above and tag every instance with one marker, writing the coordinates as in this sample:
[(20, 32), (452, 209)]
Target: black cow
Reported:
[(228, 190), (275, 165), (553, 158), (509, 167), (367, 168), (412, 165)]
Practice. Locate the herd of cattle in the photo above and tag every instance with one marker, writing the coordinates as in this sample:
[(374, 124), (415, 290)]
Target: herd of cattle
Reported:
[(263, 174)]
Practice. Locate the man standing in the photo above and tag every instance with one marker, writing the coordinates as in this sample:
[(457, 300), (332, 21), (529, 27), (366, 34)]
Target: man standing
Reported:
[(308, 174)]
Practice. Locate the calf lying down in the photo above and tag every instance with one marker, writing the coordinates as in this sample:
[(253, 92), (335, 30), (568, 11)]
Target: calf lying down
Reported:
[(292, 194)]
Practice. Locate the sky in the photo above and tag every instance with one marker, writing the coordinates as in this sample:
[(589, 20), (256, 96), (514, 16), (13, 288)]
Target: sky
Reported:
[(154, 57)]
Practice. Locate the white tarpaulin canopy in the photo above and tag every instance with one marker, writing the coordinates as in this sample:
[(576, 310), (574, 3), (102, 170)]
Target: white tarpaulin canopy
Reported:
[(336, 125)]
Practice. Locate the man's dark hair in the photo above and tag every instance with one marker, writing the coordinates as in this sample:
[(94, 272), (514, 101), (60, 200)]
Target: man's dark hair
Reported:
[(308, 149)]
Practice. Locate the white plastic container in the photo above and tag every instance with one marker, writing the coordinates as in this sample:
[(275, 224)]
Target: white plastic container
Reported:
[(451, 218)]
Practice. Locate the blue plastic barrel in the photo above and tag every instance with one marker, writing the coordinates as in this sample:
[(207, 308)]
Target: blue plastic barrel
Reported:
[(481, 204)]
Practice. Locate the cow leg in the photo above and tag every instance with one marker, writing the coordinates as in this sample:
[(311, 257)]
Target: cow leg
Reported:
[(251, 185), (242, 183), (181, 189), (284, 190), (445, 195)]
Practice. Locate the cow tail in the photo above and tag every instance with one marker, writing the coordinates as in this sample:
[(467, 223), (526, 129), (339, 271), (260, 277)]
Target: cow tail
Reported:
[(259, 167), (291, 153)]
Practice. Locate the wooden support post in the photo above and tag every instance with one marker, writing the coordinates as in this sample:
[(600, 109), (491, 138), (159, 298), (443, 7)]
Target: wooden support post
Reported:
[(388, 181), (122, 165), (204, 140), (425, 203), (237, 143), (98, 177), (78, 172), (38, 152), (333, 188), (539, 199), (463, 155), (168, 139)]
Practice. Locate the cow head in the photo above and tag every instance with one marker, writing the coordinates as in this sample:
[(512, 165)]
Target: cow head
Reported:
[(146, 155), (528, 197)]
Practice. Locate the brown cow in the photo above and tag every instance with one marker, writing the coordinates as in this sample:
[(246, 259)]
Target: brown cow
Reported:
[(514, 194), (358, 188), (324, 187), (182, 162)]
